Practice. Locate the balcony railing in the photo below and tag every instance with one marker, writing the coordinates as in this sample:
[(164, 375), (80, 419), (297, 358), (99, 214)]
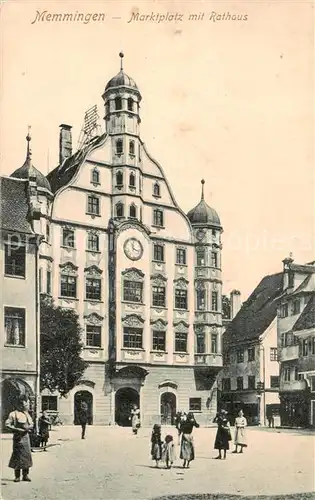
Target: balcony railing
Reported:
[(208, 359)]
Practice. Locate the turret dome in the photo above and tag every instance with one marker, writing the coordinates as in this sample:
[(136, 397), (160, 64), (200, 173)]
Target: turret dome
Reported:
[(203, 214), (121, 79)]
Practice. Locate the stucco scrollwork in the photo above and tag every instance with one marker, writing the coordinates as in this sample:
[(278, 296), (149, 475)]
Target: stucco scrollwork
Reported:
[(93, 270), (133, 320), (158, 280), (199, 329), (181, 283), (68, 267), (93, 319), (181, 327), (131, 225), (215, 286), (159, 324), (199, 285), (133, 274)]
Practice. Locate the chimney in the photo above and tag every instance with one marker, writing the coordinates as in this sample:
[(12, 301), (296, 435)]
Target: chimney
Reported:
[(65, 143), (235, 297)]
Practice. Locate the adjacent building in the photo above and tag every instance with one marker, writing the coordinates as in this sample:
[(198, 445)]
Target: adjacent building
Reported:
[(249, 379), (143, 276), (296, 341)]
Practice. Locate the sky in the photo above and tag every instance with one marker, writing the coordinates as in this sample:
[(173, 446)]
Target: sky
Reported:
[(230, 101)]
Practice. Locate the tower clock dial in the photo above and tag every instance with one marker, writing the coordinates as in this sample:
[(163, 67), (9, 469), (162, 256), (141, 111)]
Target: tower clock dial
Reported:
[(133, 249)]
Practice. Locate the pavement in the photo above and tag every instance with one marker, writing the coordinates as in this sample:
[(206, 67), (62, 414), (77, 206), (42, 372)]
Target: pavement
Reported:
[(113, 464)]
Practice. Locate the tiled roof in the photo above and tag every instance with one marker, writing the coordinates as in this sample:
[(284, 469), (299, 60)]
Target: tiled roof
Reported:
[(307, 317), (14, 205), (257, 313), (307, 286), (302, 268)]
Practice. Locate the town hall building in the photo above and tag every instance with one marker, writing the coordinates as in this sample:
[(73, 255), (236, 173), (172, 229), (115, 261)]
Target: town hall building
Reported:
[(143, 276)]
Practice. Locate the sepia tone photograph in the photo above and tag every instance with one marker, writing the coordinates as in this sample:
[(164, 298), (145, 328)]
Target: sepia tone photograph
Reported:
[(157, 250)]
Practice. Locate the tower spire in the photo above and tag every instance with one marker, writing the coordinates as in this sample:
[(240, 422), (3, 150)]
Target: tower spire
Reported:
[(28, 149), (121, 55), (202, 188)]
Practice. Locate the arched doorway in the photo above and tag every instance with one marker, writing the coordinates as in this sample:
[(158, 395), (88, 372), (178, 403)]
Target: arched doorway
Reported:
[(125, 398), (11, 390), (80, 397), (168, 408)]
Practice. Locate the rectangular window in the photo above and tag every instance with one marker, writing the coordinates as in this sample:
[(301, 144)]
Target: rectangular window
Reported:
[(239, 383), (214, 343), (93, 205), (313, 384), (49, 403), (240, 356), (158, 219), (214, 259), (40, 280), (251, 382), (296, 307), (68, 238), (273, 354), (180, 342), (305, 347), (158, 296), (200, 343), (284, 311), (226, 358), (201, 300), (296, 373), (226, 384), (93, 336), (201, 258), (158, 253), (313, 345), (194, 404), (133, 338), (158, 340), (180, 299), (93, 242), (274, 381), (14, 324), (286, 374), (48, 283), (93, 289), (251, 354), (180, 256), (214, 301), (68, 286), (14, 260), (133, 291)]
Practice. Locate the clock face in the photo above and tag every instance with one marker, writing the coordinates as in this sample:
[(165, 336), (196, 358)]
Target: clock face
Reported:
[(133, 249), (200, 234)]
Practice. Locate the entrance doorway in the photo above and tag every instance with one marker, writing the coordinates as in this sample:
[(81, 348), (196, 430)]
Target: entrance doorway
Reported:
[(168, 408), (79, 398), (125, 398)]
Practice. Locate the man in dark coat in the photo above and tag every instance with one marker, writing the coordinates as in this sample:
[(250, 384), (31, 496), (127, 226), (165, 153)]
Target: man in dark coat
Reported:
[(83, 418)]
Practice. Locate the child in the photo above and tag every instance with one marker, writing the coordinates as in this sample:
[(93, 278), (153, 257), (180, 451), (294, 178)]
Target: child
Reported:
[(168, 452), (44, 424), (156, 444)]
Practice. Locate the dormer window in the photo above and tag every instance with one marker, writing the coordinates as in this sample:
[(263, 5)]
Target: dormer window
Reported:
[(132, 147), (156, 189), (95, 178), (118, 103), (119, 146), (132, 180), (119, 178), (130, 104), (133, 211), (119, 210)]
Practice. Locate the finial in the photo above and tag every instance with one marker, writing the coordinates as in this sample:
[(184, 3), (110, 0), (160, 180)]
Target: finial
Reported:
[(202, 187), (121, 55), (291, 255), (28, 138)]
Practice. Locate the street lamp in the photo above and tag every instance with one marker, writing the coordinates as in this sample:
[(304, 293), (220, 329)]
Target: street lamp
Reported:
[(260, 390)]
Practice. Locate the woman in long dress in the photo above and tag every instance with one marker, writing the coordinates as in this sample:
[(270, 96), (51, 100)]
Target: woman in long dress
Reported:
[(187, 448), (156, 444), (21, 424), (240, 433), (223, 434), (135, 419)]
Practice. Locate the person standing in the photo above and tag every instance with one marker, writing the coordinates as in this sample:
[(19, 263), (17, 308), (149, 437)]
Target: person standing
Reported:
[(270, 417), (156, 444), (187, 448), (135, 419), (240, 433), (83, 418), (44, 424), (168, 451), (223, 435), (21, 424)]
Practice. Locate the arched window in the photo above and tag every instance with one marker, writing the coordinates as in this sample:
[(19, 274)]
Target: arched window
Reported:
[(132, 147), (133, 211), (130, 104), (118, 103), (132, 180), (156, 189), (119, 178), (119, 210), (95, 176), (119, 146)]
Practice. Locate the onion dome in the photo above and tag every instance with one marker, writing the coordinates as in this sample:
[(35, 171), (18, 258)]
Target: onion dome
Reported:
[(28, 170), (121, 79), (202, 213)]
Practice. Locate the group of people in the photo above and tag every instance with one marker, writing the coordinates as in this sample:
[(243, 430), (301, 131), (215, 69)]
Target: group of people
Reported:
[(224, 436)]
